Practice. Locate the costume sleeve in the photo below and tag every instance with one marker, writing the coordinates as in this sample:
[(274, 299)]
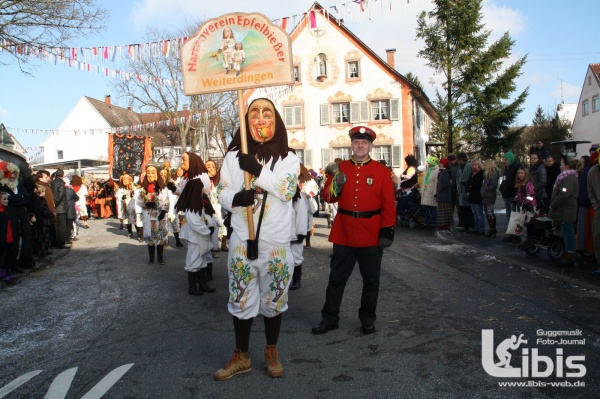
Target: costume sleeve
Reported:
[(301, 217), (225, 190), (196, 223), (282, 182)]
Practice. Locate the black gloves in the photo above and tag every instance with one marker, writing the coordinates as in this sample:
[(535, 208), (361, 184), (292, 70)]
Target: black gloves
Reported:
[(386, 236), (243, 198), (301, 238), (123, 197), (249, 164), (212, 229), (150, 204), (171, 186), (161, 216)]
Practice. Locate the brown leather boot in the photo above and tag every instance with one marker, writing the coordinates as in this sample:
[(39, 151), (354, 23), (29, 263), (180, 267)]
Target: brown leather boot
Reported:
[(274, 367), (239, 363)]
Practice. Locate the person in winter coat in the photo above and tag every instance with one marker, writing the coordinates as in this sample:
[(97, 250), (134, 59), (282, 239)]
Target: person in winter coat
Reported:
[(474, 185), (537, 172), (445, 216), (428, 191), (585, 218), (593, 185), (463, 173), (489, 188), (563, 206), (507, 187), (72, 199)]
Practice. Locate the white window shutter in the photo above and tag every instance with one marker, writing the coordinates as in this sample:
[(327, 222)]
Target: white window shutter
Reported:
[(364, 111), (324, 114), (308, 157), (289, 116), (325, 156), (396, 156), (395, 109), (298, 115), (354, 112)]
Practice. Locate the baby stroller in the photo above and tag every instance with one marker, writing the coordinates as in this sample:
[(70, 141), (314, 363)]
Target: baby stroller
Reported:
[(540, 235), (409, 212)]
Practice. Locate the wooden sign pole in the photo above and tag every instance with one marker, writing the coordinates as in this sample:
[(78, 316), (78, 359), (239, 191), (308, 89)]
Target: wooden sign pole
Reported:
[(247, 186)]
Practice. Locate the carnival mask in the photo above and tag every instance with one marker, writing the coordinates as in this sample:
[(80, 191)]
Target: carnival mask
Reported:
[(151, 174), (261, 117), (185, 162)]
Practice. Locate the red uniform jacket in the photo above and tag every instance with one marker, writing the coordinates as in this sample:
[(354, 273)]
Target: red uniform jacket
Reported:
[(368, 187)]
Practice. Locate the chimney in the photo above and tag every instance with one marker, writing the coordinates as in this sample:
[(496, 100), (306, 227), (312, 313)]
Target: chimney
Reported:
[(185, 107), (107, 100), (391, 57), (130, 109)]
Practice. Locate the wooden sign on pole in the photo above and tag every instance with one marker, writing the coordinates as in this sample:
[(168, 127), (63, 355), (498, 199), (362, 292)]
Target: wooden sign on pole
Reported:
[(237, 51)]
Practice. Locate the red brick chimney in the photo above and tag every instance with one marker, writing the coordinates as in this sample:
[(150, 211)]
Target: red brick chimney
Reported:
[(391, 57), (107, 100)]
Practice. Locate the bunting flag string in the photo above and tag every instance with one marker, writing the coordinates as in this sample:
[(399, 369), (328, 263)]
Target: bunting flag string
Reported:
[(169, 47), (120, 129)]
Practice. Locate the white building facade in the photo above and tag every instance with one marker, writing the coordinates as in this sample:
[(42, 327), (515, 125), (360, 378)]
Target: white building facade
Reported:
[(586, 125)]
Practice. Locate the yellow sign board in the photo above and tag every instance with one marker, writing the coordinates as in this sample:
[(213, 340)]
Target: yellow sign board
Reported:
[(235, 52)]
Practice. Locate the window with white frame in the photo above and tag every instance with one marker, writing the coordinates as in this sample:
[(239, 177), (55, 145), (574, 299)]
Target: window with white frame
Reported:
[(340, 113), (341, 152), (380, 110), (586, 108), (157, 152), (177, 152), (381, 153), (595, 104), (293, 115), (353, 70), (59, 154)]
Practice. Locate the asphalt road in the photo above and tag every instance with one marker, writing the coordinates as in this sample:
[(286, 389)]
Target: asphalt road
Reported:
[(101, 322)]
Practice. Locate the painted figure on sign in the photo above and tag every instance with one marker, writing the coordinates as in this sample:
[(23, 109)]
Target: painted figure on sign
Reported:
[(238, 57), (227, 47)]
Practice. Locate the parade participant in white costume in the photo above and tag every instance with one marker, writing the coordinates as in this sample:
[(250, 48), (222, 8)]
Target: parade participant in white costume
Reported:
[(259, 286), (172, 217), (300, 226), (198, 225), (154, 201), (136, 207), (124, 197)]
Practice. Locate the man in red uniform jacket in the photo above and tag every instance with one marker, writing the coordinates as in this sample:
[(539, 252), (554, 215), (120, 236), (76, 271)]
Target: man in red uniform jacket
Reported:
[(364, 225)]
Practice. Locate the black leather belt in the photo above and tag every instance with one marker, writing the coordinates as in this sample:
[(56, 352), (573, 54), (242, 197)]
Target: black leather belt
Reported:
[(356, 214)]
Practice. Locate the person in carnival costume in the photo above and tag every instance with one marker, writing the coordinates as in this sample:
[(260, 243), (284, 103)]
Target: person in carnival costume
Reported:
[(259, 285), (154, 200), (198, 224)]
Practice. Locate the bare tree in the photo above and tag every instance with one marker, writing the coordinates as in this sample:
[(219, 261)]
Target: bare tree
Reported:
[(160, 92), (27, 25)]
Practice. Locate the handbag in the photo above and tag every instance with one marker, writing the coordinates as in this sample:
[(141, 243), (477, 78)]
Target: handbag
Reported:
[(516, 224)]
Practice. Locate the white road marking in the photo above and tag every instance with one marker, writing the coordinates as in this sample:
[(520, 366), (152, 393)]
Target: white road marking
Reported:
[(107, 382), (61, 384), (14, 384)]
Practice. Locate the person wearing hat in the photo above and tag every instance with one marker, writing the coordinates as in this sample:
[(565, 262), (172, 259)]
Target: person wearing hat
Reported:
[(593, 183), (363, 226), (508, 188)]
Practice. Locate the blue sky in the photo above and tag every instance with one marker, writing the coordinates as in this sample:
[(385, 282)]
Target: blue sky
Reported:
[(559, 38)]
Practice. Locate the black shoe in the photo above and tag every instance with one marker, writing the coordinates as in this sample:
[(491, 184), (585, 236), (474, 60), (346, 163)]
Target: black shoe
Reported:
[(296, 284), (323, 327), (161, 261), (368, 328)]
